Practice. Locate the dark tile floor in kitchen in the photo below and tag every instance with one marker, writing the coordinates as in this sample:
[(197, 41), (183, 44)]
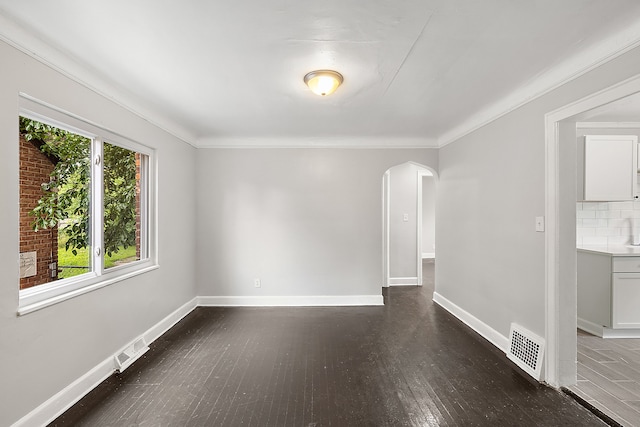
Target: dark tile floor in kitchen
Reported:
[(407, 363), (609, 376)]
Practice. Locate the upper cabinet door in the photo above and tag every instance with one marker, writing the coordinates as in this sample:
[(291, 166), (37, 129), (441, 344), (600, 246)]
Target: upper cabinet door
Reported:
[(610, 167)]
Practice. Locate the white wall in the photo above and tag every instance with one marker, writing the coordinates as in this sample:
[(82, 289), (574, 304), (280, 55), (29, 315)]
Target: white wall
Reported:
[(428, 215), (45, 351), (491, 187), (307, 222), (403, 235)]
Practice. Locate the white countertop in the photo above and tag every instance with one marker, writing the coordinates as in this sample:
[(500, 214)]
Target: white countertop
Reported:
[(614, 250)]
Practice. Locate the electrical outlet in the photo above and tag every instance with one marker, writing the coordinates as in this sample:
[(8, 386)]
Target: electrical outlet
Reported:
[(256, 283)]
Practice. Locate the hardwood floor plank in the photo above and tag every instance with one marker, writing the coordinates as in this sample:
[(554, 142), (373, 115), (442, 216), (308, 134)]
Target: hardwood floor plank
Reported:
[(409, 363)]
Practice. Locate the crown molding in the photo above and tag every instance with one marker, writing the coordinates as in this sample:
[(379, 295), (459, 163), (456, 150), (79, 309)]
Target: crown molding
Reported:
[(319, 142), (14, 33), (573, 67), (608, 125)]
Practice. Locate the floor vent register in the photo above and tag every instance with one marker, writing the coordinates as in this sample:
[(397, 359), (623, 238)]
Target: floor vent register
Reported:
[(125, 357), (526, 350)]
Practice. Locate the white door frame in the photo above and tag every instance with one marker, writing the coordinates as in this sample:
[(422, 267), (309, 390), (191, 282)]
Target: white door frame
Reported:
[(560, 253), (419, 216), (386, 185)]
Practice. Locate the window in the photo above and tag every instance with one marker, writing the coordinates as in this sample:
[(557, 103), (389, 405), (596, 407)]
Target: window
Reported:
[(85, 206)]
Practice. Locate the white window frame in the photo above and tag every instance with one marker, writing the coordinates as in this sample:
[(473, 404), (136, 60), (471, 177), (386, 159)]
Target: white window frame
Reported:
[(44, 295)]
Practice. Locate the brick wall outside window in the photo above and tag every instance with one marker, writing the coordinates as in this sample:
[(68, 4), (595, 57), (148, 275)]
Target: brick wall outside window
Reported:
[(35, 169)]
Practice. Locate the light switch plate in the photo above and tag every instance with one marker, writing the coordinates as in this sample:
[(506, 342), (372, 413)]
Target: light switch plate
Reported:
[(405, 217), (539, 224)]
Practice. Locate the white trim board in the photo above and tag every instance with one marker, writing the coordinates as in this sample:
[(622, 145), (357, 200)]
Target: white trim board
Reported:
[(404, 281), (569, 69), (428, 255), (592, 328), (403, 284), (67, 397), (169, 322), (560, 369), (486, 331), (572, 67), (604, 332), (607, 125), (366, 142), (17, 36), (290, 301), (620, 333)]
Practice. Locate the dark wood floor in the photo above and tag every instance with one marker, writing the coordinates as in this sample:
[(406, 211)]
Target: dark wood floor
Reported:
[(408, 363)]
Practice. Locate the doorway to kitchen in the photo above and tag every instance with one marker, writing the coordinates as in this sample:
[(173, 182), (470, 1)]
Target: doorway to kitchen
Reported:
[(601, 377)]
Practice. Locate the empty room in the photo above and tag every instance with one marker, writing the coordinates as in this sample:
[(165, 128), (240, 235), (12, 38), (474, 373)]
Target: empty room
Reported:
[(340, 213)]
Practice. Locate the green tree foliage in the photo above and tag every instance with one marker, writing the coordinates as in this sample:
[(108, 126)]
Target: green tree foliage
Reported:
[(66, 197), (119, 198)]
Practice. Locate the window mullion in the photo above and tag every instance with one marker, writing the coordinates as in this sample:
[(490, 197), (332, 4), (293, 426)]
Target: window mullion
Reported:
[(144, 198), (97, 206)]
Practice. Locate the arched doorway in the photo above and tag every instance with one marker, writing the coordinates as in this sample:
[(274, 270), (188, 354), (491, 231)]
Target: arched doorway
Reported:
[(408, 223)]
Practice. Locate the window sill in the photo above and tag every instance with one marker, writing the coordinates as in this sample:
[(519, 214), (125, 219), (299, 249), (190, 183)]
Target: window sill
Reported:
[(30, 304)]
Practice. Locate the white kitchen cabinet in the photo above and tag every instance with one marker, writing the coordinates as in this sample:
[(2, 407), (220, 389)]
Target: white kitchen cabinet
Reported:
[(609, 289), (608, 165), (594, 290), (625, 301)]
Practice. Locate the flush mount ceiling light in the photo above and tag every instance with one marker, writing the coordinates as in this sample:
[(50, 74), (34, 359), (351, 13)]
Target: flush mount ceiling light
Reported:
[(323, 82)]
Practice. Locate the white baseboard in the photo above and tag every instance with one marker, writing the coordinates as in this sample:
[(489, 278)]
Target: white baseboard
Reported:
[(63, 400), (428, 255), (592, 328), (403, 281), (620, 333), (168, 322), (289, 301), (487, 332), (67, 397), (604, 332)]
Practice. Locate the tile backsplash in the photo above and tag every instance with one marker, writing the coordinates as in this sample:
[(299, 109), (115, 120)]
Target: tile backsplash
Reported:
[(602, 223)]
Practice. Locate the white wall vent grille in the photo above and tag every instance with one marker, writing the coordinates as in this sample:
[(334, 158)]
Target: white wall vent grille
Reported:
[(526, 350), (130, 354)]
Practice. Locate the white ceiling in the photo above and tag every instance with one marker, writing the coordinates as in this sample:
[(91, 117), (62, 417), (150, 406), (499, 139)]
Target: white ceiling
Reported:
[(416, 72)]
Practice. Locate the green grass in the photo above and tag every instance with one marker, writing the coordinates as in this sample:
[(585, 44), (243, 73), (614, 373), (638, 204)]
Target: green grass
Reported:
[(81, 259)]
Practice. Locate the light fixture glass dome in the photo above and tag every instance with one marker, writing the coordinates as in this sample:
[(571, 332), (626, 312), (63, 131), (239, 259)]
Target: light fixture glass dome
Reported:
[(323, 82)]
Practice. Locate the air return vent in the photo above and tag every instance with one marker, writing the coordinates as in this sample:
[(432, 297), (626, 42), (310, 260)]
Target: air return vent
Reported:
[(130, 354), (526, 350)]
